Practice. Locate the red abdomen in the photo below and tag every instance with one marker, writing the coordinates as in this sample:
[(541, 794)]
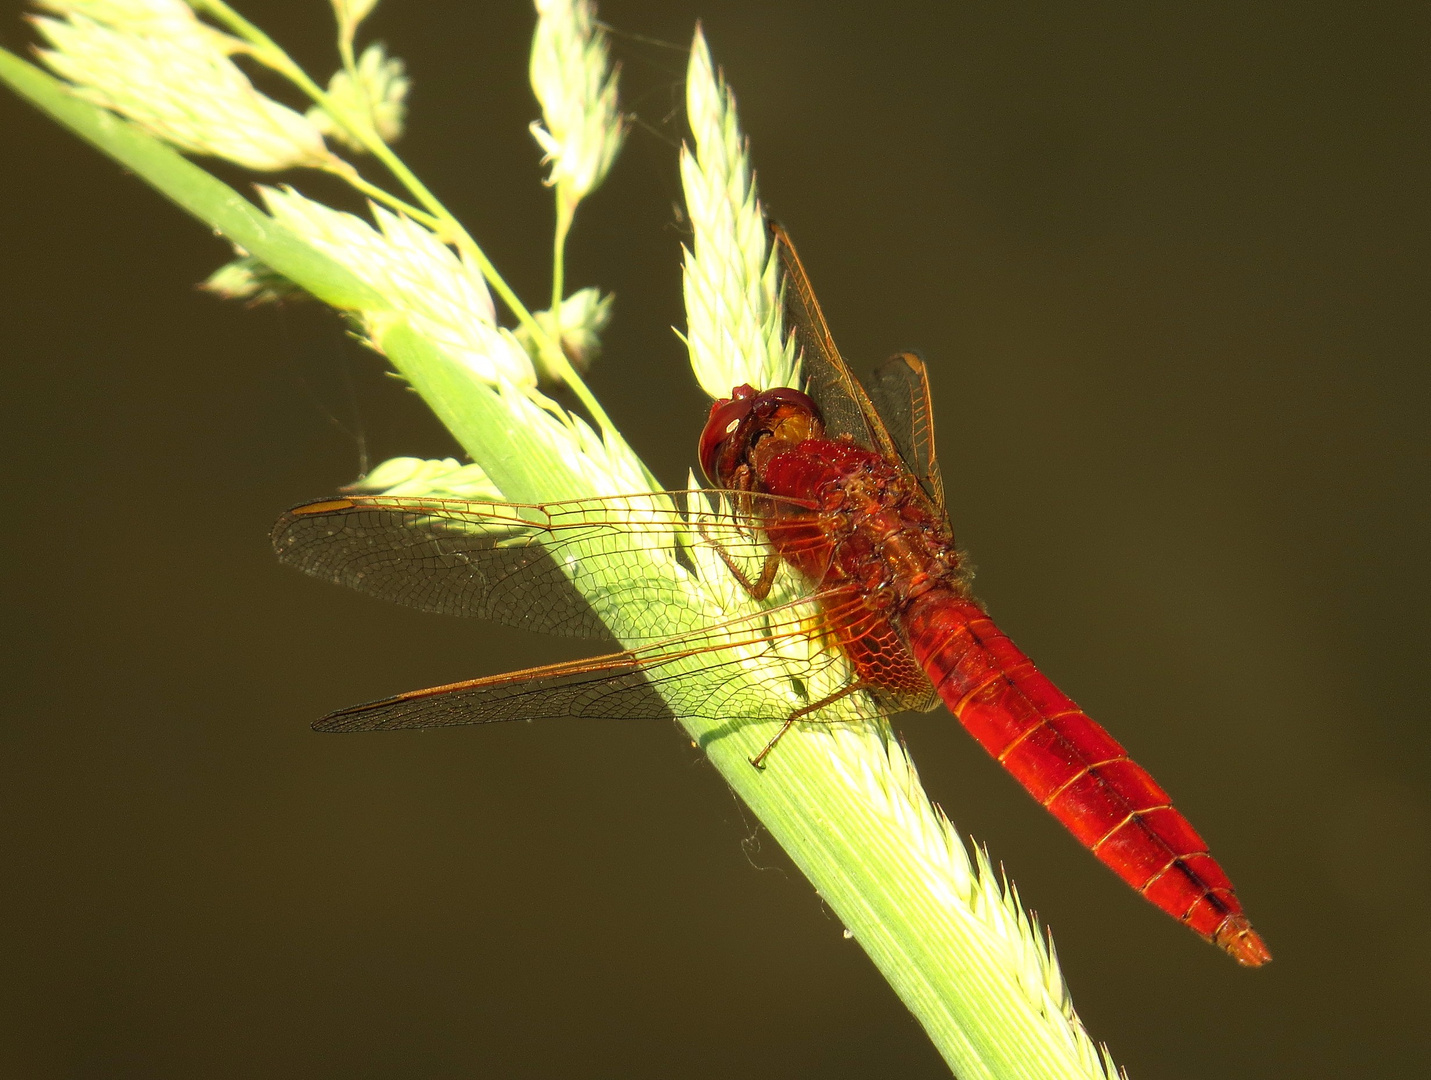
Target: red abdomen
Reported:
[(1075, 769)]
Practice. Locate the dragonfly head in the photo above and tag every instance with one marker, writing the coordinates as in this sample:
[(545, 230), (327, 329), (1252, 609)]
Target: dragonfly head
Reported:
[(750, 425)]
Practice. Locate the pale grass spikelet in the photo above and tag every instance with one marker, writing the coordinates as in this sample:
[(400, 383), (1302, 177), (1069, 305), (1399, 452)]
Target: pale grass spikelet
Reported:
[(443, 297), (172, 17), (582, 128), (153, 62), (378, 95), (606, 461), (731, 276), (441, 478), (251, 280), (350, 13), (879, 773), (606, 464), (578, 327)]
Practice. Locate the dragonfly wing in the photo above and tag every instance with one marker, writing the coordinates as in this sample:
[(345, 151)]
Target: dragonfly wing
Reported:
[(606, 686), (754, 668), (829, 380), (847, 405), (449, 558), (516, 563), (899, 390)]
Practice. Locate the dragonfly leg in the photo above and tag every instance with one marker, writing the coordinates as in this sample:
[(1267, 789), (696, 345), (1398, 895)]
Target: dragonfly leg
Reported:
[(758, 589), (798, 714)]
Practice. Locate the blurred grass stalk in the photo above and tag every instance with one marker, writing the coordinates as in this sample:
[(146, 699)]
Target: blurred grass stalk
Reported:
[(843, 800)]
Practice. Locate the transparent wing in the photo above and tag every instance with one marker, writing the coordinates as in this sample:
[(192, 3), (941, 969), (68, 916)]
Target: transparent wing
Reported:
[(829, 380), (899, 390), (515, 564), (706, 674)]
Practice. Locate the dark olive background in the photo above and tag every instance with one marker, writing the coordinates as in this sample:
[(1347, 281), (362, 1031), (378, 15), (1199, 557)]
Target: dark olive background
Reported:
[(1168, 266)]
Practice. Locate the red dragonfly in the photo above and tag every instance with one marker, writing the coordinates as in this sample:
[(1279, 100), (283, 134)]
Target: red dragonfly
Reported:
[(846, 500)]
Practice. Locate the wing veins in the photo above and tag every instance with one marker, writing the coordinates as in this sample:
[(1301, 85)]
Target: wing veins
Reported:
[(840, 395), (623, 683), (514, 562), (899, 391)]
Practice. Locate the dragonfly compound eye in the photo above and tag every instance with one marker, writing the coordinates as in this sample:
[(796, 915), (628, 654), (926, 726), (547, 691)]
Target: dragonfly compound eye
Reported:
[(725, 420), (736, 423)]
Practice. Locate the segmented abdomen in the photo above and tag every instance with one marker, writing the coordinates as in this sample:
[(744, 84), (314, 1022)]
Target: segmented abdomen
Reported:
[(1075, 769)]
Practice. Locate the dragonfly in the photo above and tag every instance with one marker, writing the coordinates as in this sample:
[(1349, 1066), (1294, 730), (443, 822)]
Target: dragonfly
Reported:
[(827, 510)]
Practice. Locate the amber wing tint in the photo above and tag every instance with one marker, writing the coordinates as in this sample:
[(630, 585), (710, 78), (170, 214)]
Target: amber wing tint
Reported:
[(899, 390)]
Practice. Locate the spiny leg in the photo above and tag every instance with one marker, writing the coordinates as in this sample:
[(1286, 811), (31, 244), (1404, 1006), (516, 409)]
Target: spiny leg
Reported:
[(758, 589), (790, 721)]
